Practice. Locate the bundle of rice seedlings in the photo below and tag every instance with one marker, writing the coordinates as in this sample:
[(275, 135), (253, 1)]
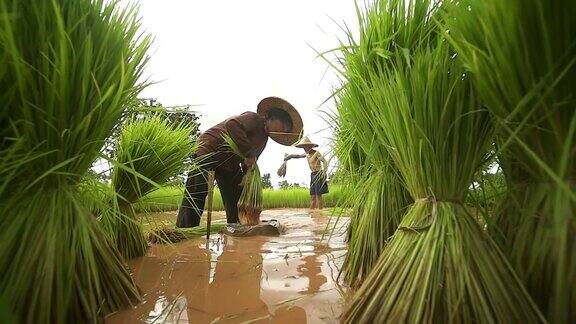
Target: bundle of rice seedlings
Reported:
[(522, 54), (148, 153), (250, 201), (379, 203), (282, 169), (168, 235), (375, 193), (95, 195), (439, 266), (70, 67)]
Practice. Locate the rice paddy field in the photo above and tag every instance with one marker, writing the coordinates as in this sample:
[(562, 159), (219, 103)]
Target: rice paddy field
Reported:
[(169, 199), (454, 130)]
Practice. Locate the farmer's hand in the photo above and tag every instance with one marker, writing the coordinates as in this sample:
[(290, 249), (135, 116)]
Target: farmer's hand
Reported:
[(249, 163)]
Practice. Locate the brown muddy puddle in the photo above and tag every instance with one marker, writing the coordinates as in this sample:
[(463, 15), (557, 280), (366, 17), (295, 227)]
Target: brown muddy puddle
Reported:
[(292, 278)]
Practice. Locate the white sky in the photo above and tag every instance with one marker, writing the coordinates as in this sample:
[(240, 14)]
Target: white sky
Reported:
[(228, 55)]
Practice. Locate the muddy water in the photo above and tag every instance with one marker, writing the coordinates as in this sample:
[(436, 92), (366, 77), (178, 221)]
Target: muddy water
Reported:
[(292, 278)]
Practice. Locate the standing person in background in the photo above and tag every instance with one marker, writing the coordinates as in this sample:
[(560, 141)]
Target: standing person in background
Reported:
[(275, 118), (319, 168)]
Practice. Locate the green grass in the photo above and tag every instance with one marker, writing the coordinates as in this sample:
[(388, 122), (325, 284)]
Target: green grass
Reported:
[(169, 198)]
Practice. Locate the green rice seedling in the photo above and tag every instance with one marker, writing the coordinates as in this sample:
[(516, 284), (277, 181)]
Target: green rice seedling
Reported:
[(362, 154), (5, 93), (376, 213), (148, 153), (439, 266), (250, 201), (95, 195), (522, 55), (298, 197), (168, 235), (374, 192), (70, 67), (167, 199)]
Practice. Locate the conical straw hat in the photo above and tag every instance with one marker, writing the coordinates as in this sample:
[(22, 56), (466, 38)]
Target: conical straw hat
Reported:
[(305, 141), (296, 132)]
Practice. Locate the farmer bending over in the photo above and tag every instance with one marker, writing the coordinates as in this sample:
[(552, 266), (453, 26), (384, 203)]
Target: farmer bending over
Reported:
[(275, 118), (318, 166)]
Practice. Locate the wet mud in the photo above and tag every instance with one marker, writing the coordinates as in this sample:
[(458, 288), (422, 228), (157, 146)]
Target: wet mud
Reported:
[(292, 278)]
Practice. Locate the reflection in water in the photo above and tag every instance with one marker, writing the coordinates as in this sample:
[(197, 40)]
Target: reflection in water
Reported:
[(313, 271), (237, 282), (286, 279), (169, 312)]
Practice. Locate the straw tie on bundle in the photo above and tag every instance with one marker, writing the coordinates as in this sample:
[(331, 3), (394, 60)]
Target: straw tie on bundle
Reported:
[(434, 213)]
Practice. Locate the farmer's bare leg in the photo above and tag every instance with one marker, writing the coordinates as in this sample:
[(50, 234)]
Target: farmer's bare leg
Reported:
[(313, 203), (319, 202)]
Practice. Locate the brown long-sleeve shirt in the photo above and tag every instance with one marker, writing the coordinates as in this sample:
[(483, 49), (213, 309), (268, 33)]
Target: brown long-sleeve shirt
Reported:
[(248, 132)]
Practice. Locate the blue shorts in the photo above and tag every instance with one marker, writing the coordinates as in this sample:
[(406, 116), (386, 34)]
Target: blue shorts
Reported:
[(318, 184)]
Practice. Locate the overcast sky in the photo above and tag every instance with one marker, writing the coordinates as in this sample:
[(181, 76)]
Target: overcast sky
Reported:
[(225, 56)]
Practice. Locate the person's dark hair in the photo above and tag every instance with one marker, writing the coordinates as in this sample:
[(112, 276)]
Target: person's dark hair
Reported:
[(280, 115)]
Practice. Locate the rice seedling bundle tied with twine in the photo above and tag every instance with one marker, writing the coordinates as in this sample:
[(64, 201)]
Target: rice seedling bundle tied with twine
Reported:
[(439, 266), (149, 152), (68, 69), (167, 235)]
